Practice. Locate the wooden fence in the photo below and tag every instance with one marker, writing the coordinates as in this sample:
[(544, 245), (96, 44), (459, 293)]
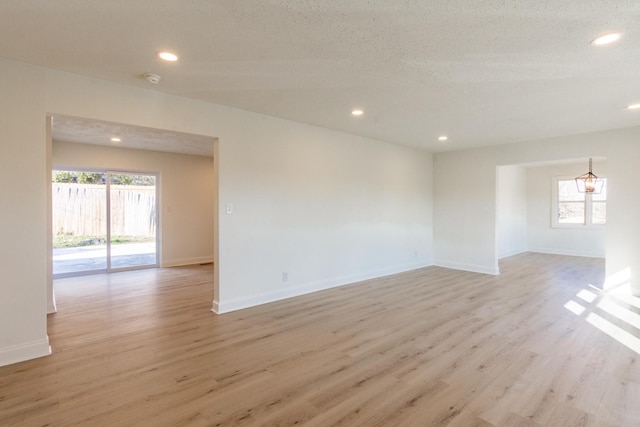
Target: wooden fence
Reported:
[(81, 210)]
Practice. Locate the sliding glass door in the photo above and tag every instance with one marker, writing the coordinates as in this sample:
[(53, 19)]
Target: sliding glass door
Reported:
[(79, 201), (132, 220), (103, 221)]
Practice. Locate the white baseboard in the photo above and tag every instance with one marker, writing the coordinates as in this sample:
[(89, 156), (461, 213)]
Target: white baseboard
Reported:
[(51, 303), (468, 267), (187, 261), (51, 307), (26, 351), (512, 253), (220, 307), (216, 307), (554, 251)]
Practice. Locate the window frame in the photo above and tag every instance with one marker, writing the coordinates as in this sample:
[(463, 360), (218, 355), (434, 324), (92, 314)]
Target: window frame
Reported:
[(588, 206)]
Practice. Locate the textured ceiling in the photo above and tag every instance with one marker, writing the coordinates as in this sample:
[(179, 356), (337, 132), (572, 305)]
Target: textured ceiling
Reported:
[(483, 72), (73, 129)]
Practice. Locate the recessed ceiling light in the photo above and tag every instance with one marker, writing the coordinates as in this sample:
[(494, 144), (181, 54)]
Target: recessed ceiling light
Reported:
[(167, 56), (605, 39), (357, 113), (115, 139), (443, 138), (633, 107)]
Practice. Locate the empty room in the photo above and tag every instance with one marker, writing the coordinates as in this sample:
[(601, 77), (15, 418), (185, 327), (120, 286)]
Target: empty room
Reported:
[(365, 213)]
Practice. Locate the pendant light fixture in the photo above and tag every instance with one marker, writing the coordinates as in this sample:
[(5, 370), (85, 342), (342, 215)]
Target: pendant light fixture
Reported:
[(589, 182)]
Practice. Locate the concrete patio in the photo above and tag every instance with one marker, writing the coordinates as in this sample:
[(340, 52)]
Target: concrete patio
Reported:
[(91, 258)]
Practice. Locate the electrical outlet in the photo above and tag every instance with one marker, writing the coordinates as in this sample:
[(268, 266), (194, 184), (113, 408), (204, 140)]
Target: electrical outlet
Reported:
[(415, 254), (285, 276)]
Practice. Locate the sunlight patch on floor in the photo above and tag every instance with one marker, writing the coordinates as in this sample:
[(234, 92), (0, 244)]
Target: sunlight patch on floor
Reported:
[(620, 312), (574, 307), (587, 296), (615, 332), (614, 302), (623, 293), (616, 279)]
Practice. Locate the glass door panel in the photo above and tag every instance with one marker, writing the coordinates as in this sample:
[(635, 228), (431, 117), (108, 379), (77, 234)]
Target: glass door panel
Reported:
[(133, 220), (79, 220)]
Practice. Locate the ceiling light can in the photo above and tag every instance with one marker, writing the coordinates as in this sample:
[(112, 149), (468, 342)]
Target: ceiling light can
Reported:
[(605, 39), (167, 56)]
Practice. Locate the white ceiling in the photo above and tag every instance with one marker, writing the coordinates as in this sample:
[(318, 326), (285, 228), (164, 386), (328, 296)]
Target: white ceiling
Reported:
[(74, 129), (483, 72)]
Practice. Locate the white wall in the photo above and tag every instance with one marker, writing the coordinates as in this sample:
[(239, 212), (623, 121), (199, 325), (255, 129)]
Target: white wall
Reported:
[(186, 198), (462, 215), (465, 211), (23, 298), (541, 236), (326, 207), (511, 211)]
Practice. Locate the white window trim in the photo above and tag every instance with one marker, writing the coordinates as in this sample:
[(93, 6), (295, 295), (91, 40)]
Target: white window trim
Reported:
[(554, 207)]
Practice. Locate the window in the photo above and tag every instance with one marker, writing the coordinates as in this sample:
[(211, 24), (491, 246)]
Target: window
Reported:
[(574, 209)]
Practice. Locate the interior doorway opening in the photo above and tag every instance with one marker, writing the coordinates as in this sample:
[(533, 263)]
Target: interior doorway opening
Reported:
[(185, 164), (103, 221)]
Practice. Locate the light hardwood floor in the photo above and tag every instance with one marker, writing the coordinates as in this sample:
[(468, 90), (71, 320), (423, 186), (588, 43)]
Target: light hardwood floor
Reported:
[(533, 346)]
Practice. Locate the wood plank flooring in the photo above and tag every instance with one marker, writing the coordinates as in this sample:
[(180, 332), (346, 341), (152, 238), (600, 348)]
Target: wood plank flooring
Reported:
[(538, 345)]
